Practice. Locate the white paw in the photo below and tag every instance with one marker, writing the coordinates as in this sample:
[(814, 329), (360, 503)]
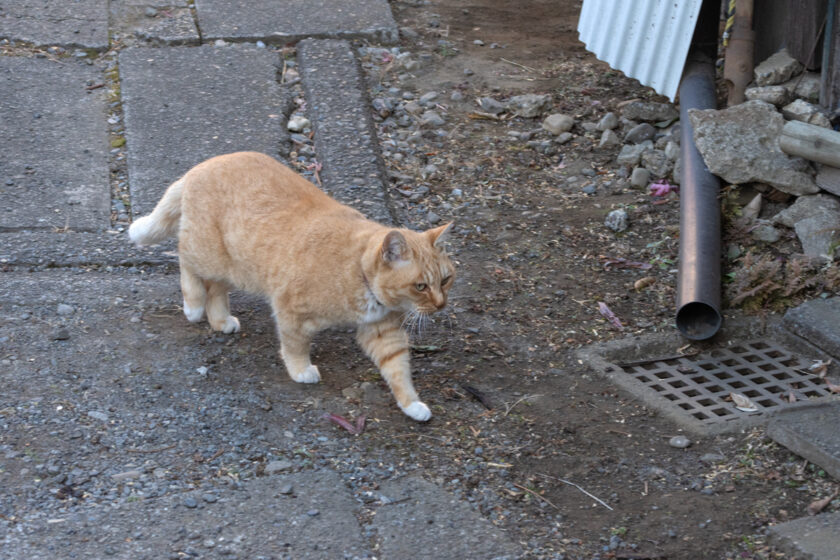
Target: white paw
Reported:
[(419, 411), (309, 375), (231, 325), (194, 314)]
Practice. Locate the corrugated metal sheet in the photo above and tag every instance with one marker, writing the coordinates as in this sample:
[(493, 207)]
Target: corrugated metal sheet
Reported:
[(646, 39)]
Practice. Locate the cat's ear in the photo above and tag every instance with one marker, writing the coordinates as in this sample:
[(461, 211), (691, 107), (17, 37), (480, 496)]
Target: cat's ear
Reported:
[(439, 234), (394, 248)]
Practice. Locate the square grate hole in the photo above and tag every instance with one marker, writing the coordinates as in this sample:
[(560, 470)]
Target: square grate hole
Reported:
[(699, 386)]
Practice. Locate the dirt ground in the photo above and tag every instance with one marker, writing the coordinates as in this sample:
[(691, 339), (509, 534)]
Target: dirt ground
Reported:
[(534, 261)]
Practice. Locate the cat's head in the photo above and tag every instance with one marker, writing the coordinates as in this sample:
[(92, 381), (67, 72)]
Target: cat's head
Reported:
[(415, 273)]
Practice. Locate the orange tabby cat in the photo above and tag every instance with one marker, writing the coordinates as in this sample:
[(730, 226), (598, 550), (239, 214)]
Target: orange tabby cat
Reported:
[(246, 221)]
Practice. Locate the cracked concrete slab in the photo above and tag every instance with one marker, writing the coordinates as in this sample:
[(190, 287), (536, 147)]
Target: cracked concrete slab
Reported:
[(808, 538), (82, 23), (184, 105), (421, 516), (811, 433), (345, 140), (288, 21), (54, 169), (816, 322), (312, 517)]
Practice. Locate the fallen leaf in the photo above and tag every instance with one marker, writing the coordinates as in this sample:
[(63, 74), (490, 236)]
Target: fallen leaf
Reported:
[(743, 403), (610, 316), (354, 429), (832, 388), (818, 505), (620, 262), (643, 283), (819, 367)]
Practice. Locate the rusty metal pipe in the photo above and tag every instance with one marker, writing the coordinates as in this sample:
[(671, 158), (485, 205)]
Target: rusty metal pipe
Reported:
[(698, 283)]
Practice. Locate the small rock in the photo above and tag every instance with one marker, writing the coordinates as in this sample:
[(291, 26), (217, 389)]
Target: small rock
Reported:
[(672, 150), (352, 393), (220, 43), (609, 139), (631, 154), (125, 475), (640, 177), (564, 138), (313, 513), (468, 72), (274, 467), (431, 119), (608, 122), (478, 42), (64, 309), (776, 69), (150, 12), (456, 96), (712, 458), (490, 105), (680, 442), (806, 86), (413, 107), (649, 111), (776, 95), (819, 235), (529, 105), (432, 218), (808, 206), (657, 163), (96, 415), (801, 110), (766, 233), (616, 220), (298, 123), (558, 123), (427, 98), (210, 498), (61, 334), (640, 133), (285, 489), (589, 189), (190, 502)]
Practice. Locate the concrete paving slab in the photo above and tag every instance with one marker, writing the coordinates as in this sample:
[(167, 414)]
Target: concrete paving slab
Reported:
[(816, 321), (811, 433), (158, 25), (47, 249), (315, 520), (345, 141), (287, 21), (425, 521), (81, 23), (54, 169), (808, 538), (184, 105)]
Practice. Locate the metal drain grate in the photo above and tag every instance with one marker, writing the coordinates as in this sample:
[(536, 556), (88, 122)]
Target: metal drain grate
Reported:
[(699, 385)]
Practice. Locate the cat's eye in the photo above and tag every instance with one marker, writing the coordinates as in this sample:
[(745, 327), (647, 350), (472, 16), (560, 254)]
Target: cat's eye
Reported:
[(420, 287), (445, 281)]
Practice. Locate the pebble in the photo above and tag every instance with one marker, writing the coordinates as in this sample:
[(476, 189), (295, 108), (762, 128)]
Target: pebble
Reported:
[(209, 498), (427, 98), (490, 105), (431, 119), (151, 12), (564, 138), (589, 189), (616, 220), (286, 489), (127, 475), (298, 123), (274, 467), (456, 96), (640, 133), (95, 414), (607, 122), (711, 458), (478, 42), (61, 334), (680, 442), (609, 139), (640, 177), (313, 512), (190, 502), (558, 123), (432, 218), (64, 309)]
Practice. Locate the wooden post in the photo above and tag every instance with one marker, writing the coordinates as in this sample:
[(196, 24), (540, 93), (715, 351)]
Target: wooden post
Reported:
[(811, 142)]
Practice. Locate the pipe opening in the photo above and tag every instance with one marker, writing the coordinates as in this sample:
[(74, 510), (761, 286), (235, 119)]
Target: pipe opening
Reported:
[(698, 321)]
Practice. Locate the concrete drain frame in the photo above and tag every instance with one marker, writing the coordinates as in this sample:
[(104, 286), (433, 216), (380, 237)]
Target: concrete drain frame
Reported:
[(690, 384)]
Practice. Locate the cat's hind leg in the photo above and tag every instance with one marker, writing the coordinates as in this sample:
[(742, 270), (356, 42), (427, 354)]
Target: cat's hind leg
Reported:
[(294, 349), (195, 294), (218, 308)]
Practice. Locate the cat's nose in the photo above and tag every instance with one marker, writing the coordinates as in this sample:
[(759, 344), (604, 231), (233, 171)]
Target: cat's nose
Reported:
[(439, 302)]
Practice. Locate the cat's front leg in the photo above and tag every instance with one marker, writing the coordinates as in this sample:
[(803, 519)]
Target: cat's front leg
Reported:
[(387, 345)]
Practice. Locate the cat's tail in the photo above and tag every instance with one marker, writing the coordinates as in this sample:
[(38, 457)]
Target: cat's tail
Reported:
[(162, 223)]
